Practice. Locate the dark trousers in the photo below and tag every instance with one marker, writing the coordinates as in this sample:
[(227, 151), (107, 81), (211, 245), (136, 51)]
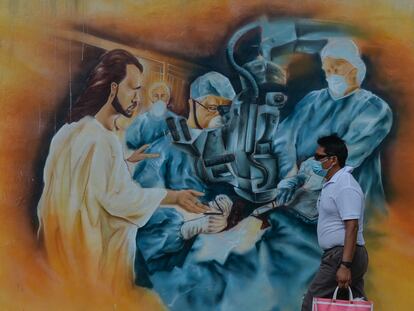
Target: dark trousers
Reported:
[(324, 283)]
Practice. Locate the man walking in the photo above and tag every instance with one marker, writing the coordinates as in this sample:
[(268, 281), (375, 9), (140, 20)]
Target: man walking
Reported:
[(340, 224)]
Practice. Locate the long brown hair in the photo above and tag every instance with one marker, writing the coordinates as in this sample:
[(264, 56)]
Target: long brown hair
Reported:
[(111, 68)]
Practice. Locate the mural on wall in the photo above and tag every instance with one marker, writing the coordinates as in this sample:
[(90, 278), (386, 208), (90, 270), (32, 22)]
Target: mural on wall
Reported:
[(249, 151), (163, 157)]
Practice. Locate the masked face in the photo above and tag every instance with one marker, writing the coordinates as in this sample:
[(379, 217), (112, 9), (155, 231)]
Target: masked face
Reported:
[(340, 75), (337, 85), (158, 109), (322, 162)]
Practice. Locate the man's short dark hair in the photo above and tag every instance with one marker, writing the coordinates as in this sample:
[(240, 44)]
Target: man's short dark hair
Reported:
[(334, 146)]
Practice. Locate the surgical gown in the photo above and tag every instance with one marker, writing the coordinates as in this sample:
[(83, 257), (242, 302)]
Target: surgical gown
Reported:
[(362, 119)]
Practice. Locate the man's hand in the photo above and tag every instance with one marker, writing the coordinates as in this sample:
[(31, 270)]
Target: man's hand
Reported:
[(343, 276), (139, 155), (188, 200)]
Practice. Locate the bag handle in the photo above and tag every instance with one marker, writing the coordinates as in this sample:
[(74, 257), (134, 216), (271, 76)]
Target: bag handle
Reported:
[(351, 297)]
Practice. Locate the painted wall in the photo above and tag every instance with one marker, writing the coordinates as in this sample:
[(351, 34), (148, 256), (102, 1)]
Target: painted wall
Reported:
[(47, 49)]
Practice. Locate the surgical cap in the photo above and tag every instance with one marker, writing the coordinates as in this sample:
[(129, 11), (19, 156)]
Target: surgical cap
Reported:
[(212, 83), (345, 49)]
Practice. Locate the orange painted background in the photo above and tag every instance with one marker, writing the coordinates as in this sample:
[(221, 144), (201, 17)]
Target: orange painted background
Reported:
[(39, 58)]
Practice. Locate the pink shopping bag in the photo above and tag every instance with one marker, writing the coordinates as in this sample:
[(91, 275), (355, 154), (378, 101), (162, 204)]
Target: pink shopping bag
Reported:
[(326, 304)]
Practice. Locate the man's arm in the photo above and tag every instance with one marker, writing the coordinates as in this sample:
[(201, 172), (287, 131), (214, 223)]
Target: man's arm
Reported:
[(343, 275), (350, 204)]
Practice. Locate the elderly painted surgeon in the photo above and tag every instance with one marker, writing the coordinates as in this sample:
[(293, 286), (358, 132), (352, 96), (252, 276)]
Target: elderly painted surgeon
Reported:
[(138, 133), (356, 115), (159, 91)]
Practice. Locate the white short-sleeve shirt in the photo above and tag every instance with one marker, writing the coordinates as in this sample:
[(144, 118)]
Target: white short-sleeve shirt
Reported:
[(341, 199)]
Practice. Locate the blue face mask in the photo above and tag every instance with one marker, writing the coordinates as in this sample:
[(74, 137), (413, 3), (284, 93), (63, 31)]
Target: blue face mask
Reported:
[(158, 109), (337, 85), (318, 169)]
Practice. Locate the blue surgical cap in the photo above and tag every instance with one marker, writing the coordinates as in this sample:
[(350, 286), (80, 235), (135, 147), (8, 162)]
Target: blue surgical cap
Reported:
[(212, 83), (345, 49)]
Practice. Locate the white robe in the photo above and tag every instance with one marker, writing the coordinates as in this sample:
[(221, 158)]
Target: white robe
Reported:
[(90, 207)]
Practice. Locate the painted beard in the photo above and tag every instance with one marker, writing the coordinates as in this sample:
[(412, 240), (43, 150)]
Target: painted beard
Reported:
[(118, 108)]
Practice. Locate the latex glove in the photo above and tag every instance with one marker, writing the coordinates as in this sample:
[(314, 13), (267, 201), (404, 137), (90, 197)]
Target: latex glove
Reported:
[(284, 195), (222, 203), (286, 190), (207, 224)]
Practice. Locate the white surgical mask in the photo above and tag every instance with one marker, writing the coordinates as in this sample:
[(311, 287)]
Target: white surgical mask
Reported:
[(158, 109), (337, 85), (215, 122)]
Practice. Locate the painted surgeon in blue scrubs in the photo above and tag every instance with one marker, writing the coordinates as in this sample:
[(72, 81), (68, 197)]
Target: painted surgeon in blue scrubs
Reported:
[(358, 116)]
